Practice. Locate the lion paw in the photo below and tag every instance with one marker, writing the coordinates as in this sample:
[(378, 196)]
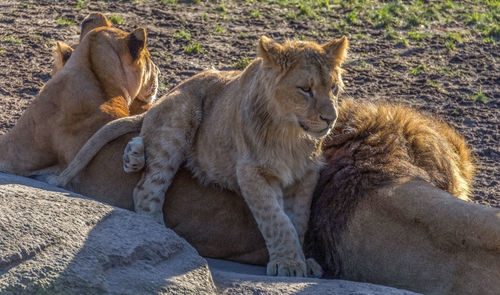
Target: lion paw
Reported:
[(133, 156), (53, 179), (314, 270), (290, 268)]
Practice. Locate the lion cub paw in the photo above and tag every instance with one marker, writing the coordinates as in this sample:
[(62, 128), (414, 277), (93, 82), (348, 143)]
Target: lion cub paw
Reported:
[(133, 156), (291, 268), (314, 270)]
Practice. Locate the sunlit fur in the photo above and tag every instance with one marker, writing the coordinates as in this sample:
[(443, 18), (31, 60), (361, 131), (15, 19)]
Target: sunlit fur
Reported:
[(91, 85)]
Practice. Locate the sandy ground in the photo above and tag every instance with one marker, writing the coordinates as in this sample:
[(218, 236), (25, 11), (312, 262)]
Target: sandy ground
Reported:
[(378, 68)]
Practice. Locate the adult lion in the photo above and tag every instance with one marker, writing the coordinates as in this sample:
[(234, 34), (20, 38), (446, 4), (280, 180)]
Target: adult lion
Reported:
[(109, 72), (399, 227)]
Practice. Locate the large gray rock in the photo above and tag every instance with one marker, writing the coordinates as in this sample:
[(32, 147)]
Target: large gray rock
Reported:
[(56, 242), (235, 278)]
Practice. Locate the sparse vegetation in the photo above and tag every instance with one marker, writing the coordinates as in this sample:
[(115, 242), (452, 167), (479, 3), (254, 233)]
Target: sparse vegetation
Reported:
[(218, 29), (116, 19), (80, 4), (193, 48), (65, 22), (181, 34), (11, 39), (241, 63), (480, 96), (421, 68)]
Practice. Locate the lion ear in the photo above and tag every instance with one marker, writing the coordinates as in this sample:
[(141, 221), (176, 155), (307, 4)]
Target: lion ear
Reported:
[(336, 50), (271, 52), (62, 52), (136, 42), (92, 21)]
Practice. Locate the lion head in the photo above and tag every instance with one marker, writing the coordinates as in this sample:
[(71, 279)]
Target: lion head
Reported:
[(305, 80), (108, 46)]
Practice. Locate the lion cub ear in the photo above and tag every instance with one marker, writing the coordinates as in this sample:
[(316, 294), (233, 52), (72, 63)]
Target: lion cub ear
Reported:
[(272, 53), (336, 50), (92, 21), (136, 42), (62, 52)]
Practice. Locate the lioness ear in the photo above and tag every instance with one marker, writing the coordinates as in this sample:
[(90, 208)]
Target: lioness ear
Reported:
[(272, 52), (92, 21), (336, 50), (136, 42), (62, 52)]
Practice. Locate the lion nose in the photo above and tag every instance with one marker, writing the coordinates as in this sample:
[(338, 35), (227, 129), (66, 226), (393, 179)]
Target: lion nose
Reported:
[(328, 119)]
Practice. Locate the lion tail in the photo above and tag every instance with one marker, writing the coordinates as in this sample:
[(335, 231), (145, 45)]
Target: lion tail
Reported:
[(106, 134)]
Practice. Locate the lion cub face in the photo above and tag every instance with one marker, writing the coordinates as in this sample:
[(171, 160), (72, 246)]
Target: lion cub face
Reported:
[(308, 83)]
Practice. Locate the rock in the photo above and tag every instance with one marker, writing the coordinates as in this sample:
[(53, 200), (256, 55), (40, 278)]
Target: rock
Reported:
[(56, 242), (235, 278)]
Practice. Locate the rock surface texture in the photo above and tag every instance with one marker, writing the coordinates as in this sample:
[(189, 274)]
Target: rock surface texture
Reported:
[(56, 242)]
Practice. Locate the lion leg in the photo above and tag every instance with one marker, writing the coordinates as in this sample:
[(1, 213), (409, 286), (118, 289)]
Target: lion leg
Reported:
[(165, 147), (133, 156), (297, 204), (264, 198)]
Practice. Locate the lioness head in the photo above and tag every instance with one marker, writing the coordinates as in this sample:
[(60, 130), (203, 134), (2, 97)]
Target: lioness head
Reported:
[(120, 60), (305, 81)]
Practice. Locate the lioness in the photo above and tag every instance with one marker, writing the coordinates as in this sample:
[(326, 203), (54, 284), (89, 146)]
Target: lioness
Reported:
[(104, 75), (264, 144)]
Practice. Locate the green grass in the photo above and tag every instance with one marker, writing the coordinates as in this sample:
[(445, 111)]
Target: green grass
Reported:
[(116, 19), (181, 34), (193, 48), (417, 36), (2, 51), (219, 30), (255, 13), (80, 4), (11, 39), (241, 63), (421, 68), (64, 21), (480, 96)]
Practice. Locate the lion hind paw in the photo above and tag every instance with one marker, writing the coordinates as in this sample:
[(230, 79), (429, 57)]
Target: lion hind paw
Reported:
[(133, 156)]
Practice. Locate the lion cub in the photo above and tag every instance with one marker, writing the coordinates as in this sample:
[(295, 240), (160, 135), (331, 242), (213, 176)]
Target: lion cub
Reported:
[(257, 132)]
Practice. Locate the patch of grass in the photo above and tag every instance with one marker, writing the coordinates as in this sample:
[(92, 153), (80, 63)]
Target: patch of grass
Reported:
[(241, 63), (480, 96), (433, 84), (417, 36), (116, 19), (2, 51), (64, 21), (243, 34), (181, 34), (80, 4), (255, 13), (421, 68), (172, 3), (291, 15), (351, 18), (193, 48), (222, 9), (26, 5), (219, 30), (11, 39), (456, 112), (454, 36), (450, 45)]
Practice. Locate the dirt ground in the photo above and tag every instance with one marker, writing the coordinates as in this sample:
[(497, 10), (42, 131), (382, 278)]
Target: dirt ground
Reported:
[(459, 82)]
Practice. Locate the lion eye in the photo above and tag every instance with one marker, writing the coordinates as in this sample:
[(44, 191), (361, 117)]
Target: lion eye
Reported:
[(307, 90)]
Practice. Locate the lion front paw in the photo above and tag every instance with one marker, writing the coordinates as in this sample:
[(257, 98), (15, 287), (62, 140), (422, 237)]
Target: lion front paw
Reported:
[(314, 270), (133, 156), (287, 268), (53, 180)]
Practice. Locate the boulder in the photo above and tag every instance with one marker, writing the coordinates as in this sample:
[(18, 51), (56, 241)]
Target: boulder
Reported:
[(56, 242)]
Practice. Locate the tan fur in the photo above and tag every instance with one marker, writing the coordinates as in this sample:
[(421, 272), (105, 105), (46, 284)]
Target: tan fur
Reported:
[(258, 133), (93, 84)]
